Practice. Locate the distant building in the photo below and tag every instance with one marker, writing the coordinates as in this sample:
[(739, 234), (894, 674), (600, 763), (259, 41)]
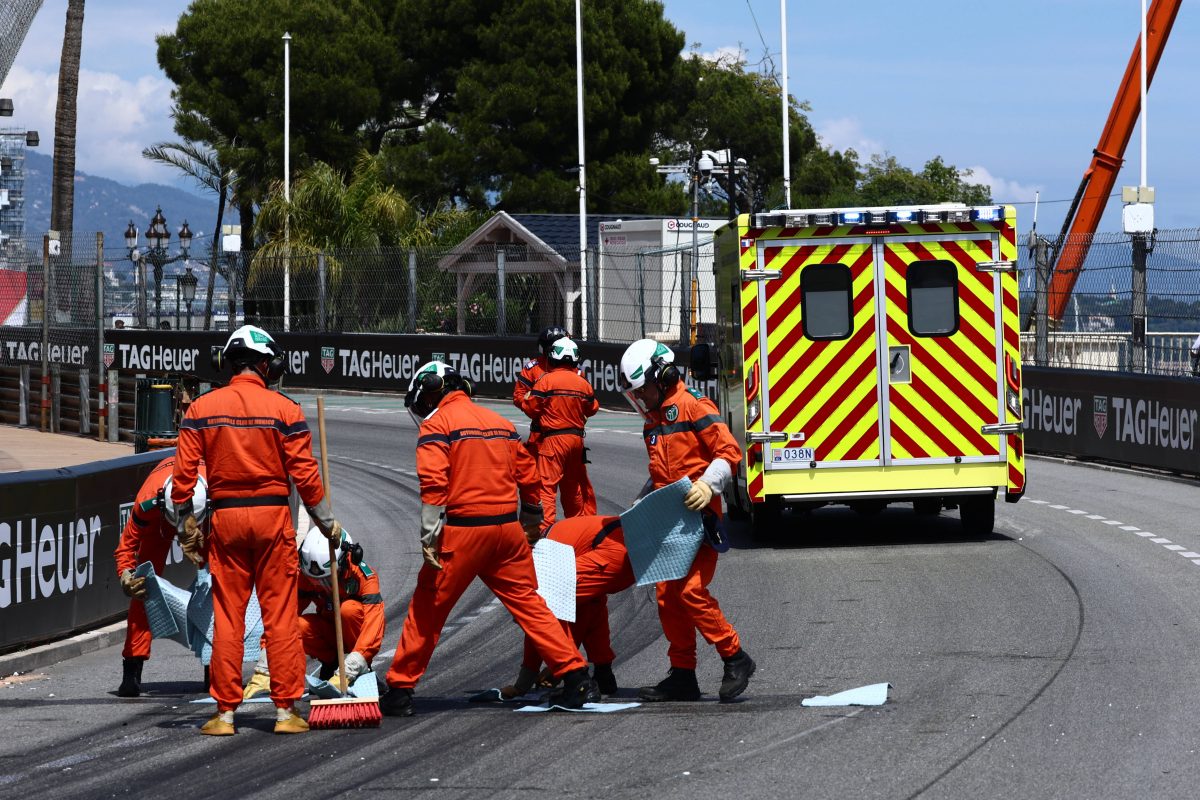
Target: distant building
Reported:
[(12, 197)]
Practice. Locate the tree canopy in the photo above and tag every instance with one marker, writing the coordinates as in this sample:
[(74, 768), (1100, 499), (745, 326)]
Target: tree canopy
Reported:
[(473, 105)]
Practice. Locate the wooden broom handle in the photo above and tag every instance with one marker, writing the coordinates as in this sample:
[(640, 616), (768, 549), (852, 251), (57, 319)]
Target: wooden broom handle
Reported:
[(333, 554)]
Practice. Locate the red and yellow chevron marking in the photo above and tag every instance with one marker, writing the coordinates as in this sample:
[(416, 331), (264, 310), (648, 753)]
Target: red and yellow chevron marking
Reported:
[(1010, 318), (825, 389), (954, 387), (750, 357)]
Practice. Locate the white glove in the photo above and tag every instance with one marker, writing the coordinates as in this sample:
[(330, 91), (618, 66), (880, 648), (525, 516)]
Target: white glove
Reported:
[(356, 666), (322, 515)]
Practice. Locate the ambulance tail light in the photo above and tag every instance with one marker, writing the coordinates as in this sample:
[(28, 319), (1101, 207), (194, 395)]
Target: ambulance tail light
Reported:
[(753, 403), (1012, 377)]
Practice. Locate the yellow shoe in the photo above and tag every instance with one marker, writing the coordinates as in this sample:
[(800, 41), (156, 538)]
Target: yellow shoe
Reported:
[(259, 684), (288, 721), (221, 724)]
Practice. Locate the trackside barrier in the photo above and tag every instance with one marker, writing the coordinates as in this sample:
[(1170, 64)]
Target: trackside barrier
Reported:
[(1141, 420), (59, 529)]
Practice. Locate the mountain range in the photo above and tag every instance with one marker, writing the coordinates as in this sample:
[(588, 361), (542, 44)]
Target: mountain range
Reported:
[(104, 205)]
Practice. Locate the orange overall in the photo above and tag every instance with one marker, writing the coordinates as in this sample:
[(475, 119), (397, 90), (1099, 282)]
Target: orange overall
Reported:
[(470, 461), (362, 614), (146, 537), (560, 403), (253, 440), (683, 437), (601, 568), (534, 368)]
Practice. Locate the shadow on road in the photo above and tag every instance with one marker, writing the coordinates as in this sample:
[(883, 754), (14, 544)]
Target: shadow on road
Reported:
[(839, 526)]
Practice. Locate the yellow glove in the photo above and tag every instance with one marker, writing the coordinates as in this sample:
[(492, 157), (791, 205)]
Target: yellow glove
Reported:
[(699, 496), (191, 539), (131, 585)]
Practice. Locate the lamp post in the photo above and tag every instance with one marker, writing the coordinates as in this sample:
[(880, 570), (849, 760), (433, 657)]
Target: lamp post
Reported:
[(187, 282), (158, 239), (700, 167)]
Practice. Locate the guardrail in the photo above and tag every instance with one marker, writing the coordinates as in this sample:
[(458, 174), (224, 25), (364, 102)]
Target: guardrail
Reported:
[(1165, 353), (59, 529)]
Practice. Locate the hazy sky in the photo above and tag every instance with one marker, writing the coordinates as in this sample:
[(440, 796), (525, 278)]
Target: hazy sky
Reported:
[(1017, 91)]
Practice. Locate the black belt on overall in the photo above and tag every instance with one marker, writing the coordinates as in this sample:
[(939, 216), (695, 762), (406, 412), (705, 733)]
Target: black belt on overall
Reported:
[(562, 432), (479, 522), (247, 502), (611, 526)]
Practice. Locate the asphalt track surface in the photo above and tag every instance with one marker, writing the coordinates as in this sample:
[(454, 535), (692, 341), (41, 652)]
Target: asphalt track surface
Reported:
[(1053, 659)]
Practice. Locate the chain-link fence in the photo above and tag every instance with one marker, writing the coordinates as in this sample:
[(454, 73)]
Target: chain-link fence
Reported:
[(1119, 316), (1128, 310), (502, 290)]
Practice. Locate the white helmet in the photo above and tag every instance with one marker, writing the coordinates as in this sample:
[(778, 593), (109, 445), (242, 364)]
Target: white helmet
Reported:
[(563, 351), (314, 554), (199, 501), (429, 384), (646, 360), (250, 345)]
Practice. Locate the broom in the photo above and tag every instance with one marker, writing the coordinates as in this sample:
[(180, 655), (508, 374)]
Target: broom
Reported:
[(343, 712)]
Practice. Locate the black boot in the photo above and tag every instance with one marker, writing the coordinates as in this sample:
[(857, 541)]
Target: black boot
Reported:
[(606, 682), (738, 669), (131, 677), (397, 703), (680, 684), (578, 688), (328, 670)]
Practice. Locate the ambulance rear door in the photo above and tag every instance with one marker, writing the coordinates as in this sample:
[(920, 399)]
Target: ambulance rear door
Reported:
[(940, 316), (818, 318)]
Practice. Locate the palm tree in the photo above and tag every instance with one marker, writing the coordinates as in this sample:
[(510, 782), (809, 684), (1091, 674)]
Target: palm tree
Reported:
[(329, 215), (204, 165), (62, 203)]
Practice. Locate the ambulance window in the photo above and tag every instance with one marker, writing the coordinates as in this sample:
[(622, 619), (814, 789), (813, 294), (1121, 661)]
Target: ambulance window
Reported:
[(825, 301), (932, 298)]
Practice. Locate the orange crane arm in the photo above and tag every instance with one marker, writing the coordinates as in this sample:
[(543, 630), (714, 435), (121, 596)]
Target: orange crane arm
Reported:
[(1101, 175)]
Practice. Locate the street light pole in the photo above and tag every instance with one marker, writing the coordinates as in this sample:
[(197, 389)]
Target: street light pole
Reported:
[(158, 239), (188, 283), (287, 180), (583, 271)]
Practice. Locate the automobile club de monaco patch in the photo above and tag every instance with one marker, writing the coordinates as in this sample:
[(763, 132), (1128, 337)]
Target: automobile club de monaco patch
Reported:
[(671, 414)]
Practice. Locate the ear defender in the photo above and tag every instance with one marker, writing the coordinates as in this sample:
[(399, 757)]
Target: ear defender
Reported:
[(216, 355), (666, 374), (276, 367)]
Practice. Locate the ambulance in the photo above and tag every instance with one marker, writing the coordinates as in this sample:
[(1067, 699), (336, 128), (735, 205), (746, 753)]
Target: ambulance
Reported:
[(870, 356)]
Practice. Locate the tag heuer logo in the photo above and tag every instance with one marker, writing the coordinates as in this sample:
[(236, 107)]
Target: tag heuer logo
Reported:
[(110, 354), (672, 413), (123, 512), (327, 359), (1100, 414)]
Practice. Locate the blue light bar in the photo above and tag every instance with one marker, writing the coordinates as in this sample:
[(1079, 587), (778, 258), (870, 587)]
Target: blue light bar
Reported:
[(851, 217), (903, 217), (827, 218), (877, 217), (988, 214)]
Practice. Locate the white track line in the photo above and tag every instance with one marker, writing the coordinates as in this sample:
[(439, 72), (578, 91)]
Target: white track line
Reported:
[(1162, 541)]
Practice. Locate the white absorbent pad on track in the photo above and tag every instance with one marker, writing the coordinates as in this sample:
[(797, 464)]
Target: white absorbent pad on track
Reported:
[(186, 615), (364, 686), (166, 605), (873, 695), (661, 535), (554, 563), (594, 708)]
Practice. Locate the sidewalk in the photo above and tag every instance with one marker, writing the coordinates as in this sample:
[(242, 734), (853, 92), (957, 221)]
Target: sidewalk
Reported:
[(29, 448)]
